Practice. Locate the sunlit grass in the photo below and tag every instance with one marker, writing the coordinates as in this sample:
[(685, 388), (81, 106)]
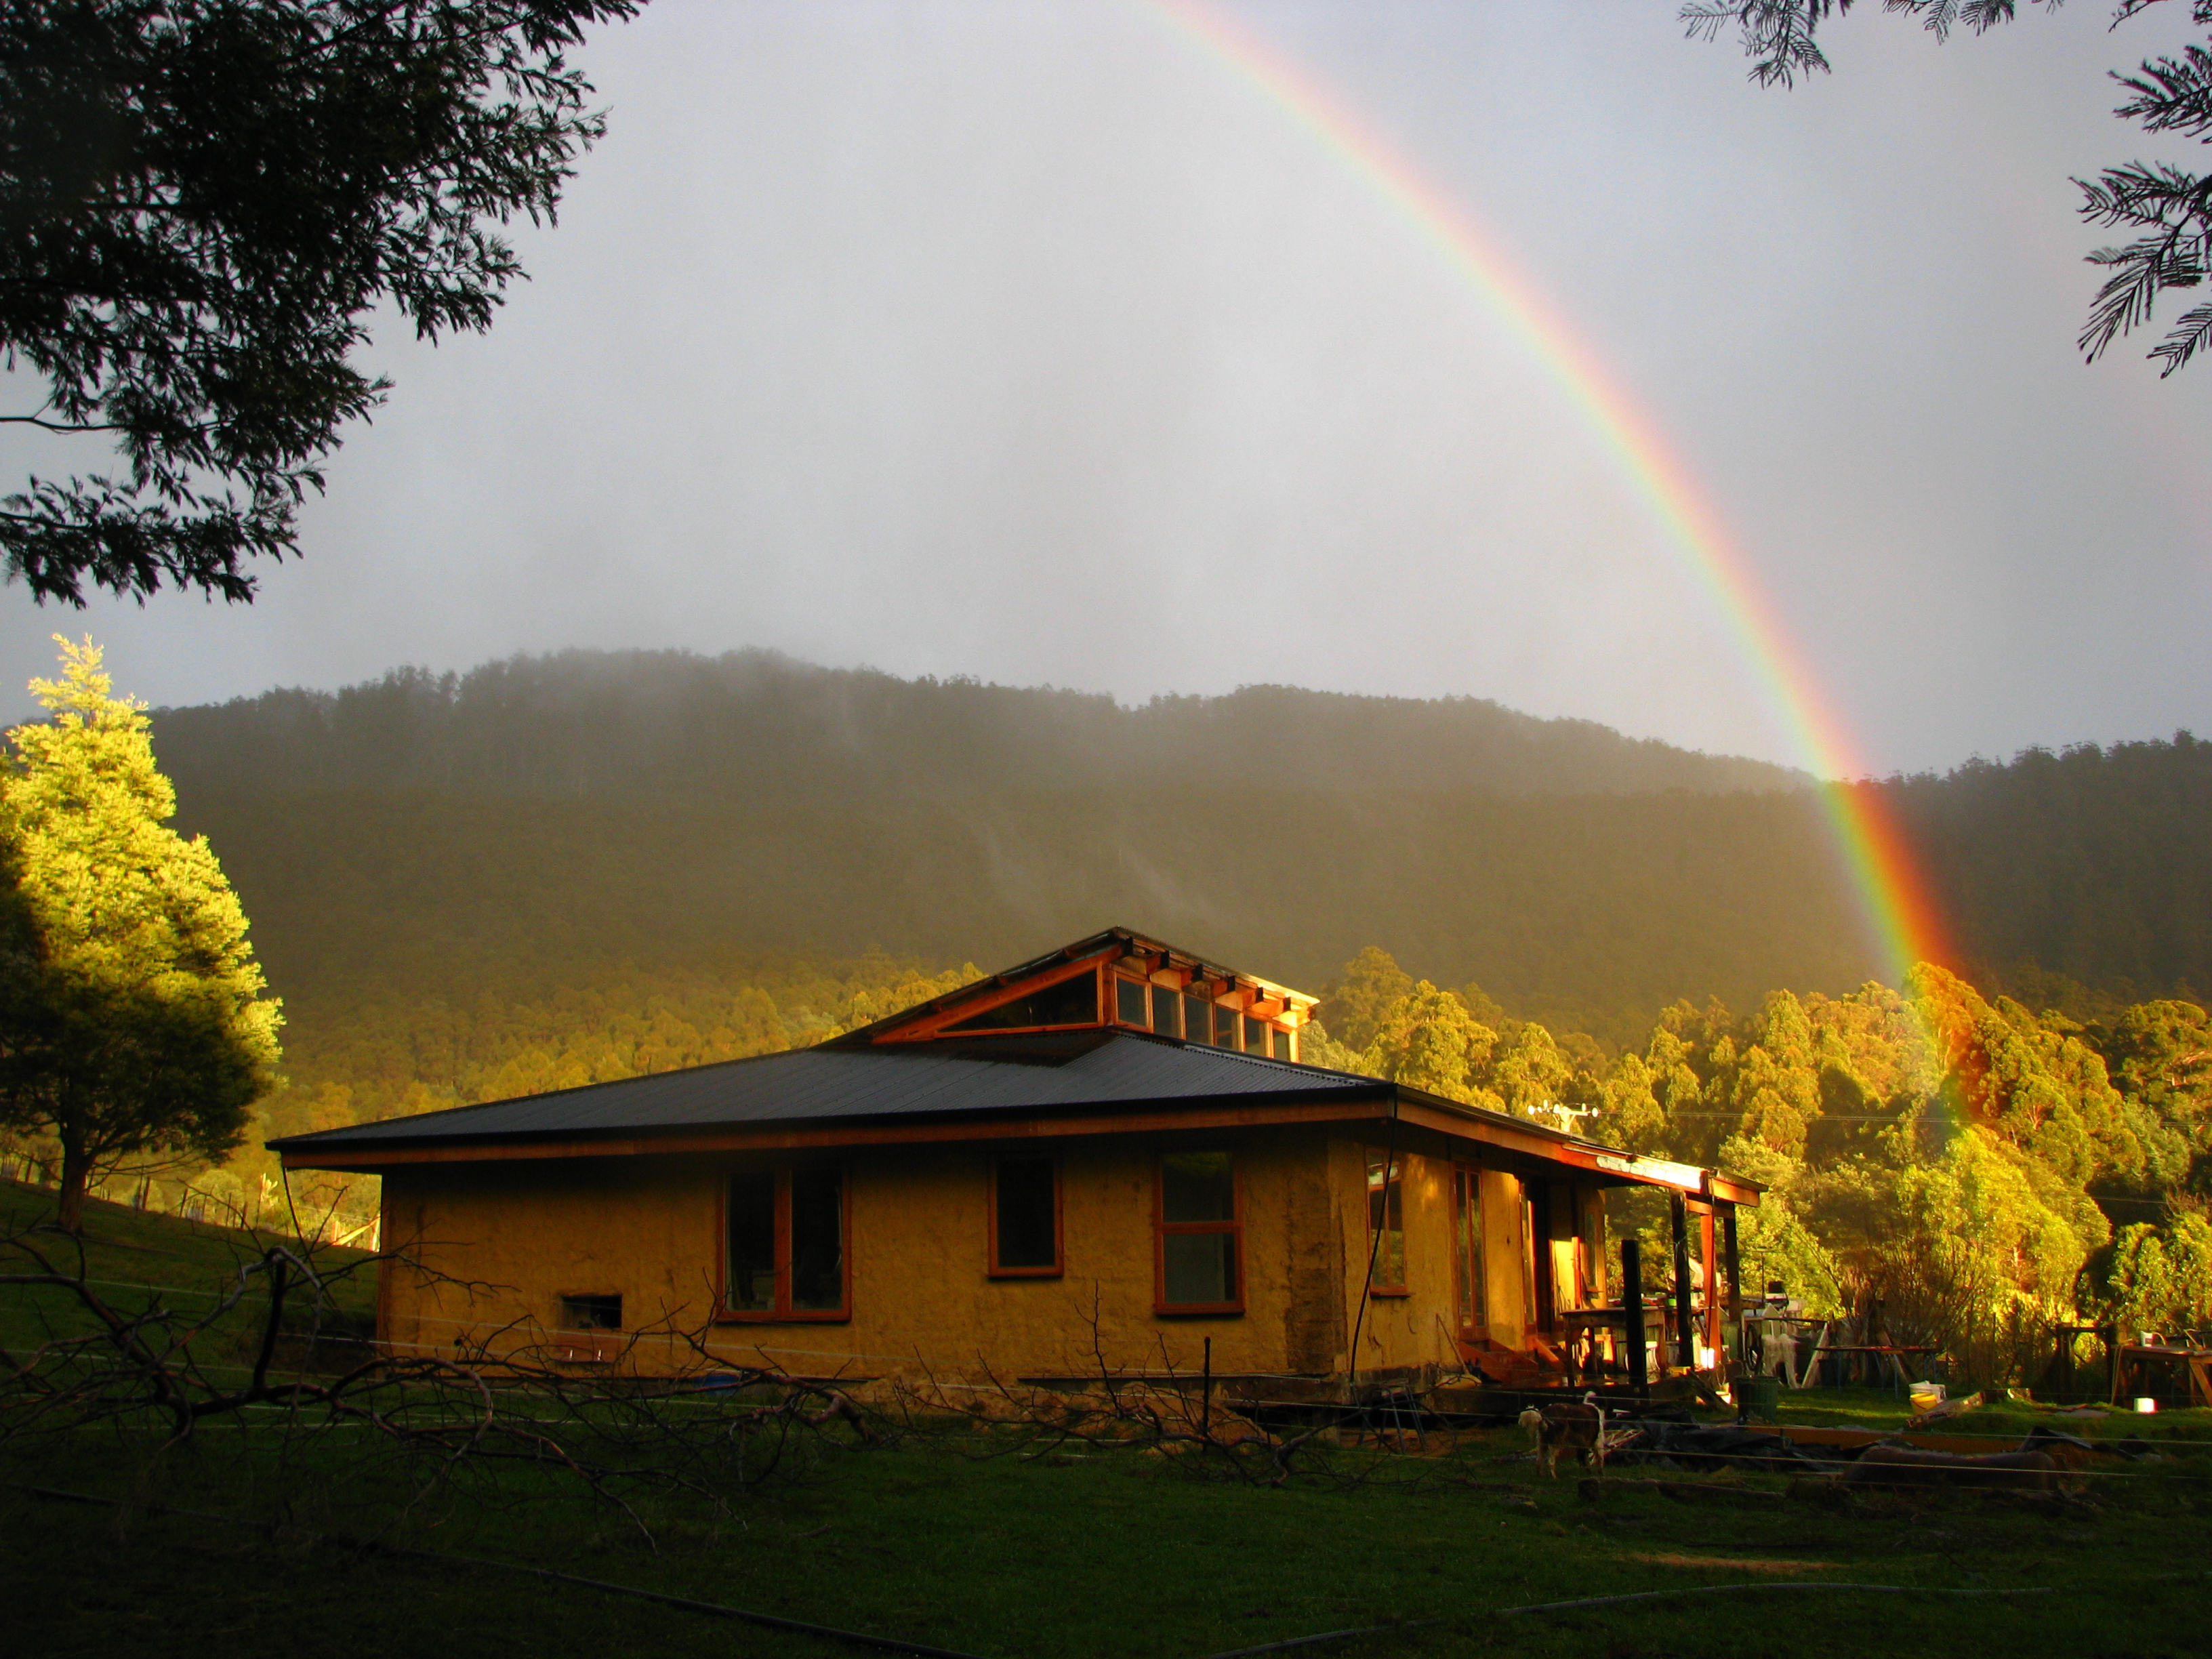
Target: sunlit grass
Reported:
[(957, 1540)]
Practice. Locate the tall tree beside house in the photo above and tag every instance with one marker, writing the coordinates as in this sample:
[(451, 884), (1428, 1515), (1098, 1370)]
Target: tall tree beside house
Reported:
[(133, 1018)]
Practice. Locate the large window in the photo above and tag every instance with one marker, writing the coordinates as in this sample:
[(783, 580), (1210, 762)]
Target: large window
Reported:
[(1386, 1226), (1025, 1218), (785, 1237), (1200, 1234)]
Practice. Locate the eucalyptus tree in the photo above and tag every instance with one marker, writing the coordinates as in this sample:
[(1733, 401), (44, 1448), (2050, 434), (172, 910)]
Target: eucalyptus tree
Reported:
[(2165, 209)]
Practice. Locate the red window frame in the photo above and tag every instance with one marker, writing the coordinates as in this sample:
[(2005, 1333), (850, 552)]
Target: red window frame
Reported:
[(783, 1312), (1162, 1228), (1393, 1186), (1058, 1267)]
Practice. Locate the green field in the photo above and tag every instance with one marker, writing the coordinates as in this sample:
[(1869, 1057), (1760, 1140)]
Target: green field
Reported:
[(956, 1540)]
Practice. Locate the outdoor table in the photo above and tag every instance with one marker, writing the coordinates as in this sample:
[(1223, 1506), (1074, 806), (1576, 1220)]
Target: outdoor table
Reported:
[(2135, 1361)]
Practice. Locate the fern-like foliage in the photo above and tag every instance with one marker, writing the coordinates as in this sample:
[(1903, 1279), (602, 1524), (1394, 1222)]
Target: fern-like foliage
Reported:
[(2168, 207)]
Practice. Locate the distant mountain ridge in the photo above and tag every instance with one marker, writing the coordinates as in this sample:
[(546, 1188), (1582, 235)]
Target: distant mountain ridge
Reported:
[(590, 724)]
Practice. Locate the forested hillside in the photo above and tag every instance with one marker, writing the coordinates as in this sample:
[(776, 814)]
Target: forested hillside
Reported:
[(651, 726), (587, 818), (580, 820), (2095, 863)]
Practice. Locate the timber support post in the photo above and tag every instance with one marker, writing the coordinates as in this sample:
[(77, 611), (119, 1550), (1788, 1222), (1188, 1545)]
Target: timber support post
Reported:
[(1631, 1308), (1731, 1264), (1685, 1330)]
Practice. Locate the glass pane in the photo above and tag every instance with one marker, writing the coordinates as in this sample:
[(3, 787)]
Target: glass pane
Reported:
[(1197, 1187), (1129, 1001), (1256, 1036), (1070, 1002), (1466, 1235), (1386, 1216), (1201, 1268), (752, 1243), (1197, 1019), (591, 1313), (1167, 1016), (1225, 1027), (1025, 1213), (817, 1239)]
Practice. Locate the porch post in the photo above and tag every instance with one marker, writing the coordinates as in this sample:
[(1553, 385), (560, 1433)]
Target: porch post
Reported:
[(1631, 1308), (1685, 1333), (1732, 1262), (1710, 1260)]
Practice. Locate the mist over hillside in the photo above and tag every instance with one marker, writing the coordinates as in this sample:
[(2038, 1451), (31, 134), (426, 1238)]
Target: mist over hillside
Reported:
[(567, 820), (667, 725)]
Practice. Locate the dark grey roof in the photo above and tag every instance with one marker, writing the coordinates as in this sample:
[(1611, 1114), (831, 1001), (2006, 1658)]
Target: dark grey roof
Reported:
[(1079, 1070)]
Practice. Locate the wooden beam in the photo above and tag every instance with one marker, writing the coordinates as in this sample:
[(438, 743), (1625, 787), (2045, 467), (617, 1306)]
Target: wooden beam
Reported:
[(1685, 1333), (930, 1024)]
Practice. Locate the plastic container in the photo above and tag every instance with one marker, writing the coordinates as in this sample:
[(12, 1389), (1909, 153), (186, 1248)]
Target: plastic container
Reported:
[(1926, 1396)]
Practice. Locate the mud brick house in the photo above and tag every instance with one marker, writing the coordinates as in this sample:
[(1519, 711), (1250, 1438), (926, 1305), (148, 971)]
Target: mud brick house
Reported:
[(1106, 1155)]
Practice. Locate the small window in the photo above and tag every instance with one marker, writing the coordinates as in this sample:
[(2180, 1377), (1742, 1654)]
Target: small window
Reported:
[(784, 1233), (1225, 1027), (1197, 1019), (1025, 1218), (1130, 1002), (1386, 1226), (1167, 1011), (1200, 1234), (1255, 1036), (591, 1313), (1281, 1043), (1071, 1002)]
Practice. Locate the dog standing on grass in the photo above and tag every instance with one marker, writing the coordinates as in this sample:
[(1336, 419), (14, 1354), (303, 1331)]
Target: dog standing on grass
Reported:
[(1576, 1425)]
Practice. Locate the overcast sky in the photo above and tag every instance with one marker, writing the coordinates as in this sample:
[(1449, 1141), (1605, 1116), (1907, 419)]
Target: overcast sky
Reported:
[(1033, 341)]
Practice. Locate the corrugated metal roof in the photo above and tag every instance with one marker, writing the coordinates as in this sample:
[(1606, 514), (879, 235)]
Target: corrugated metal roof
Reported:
[(1092, 1069)]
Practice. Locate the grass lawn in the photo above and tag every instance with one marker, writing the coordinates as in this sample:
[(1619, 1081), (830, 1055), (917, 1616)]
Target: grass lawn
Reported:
[(133, 1255), (948, 1541)]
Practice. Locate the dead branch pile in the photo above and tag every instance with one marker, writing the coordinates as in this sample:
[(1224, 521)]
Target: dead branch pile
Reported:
[(395, 1428)]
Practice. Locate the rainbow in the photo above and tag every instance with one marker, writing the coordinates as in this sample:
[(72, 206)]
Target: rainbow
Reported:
[(1899, 910)]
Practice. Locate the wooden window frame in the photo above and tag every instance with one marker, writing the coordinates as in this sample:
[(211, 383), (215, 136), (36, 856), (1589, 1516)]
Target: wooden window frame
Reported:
[(1393, 1180), (1163, 1228), (1470, 1267), (1053, 981), (1058, 1267), (1113, 1000), (783, 1313)]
